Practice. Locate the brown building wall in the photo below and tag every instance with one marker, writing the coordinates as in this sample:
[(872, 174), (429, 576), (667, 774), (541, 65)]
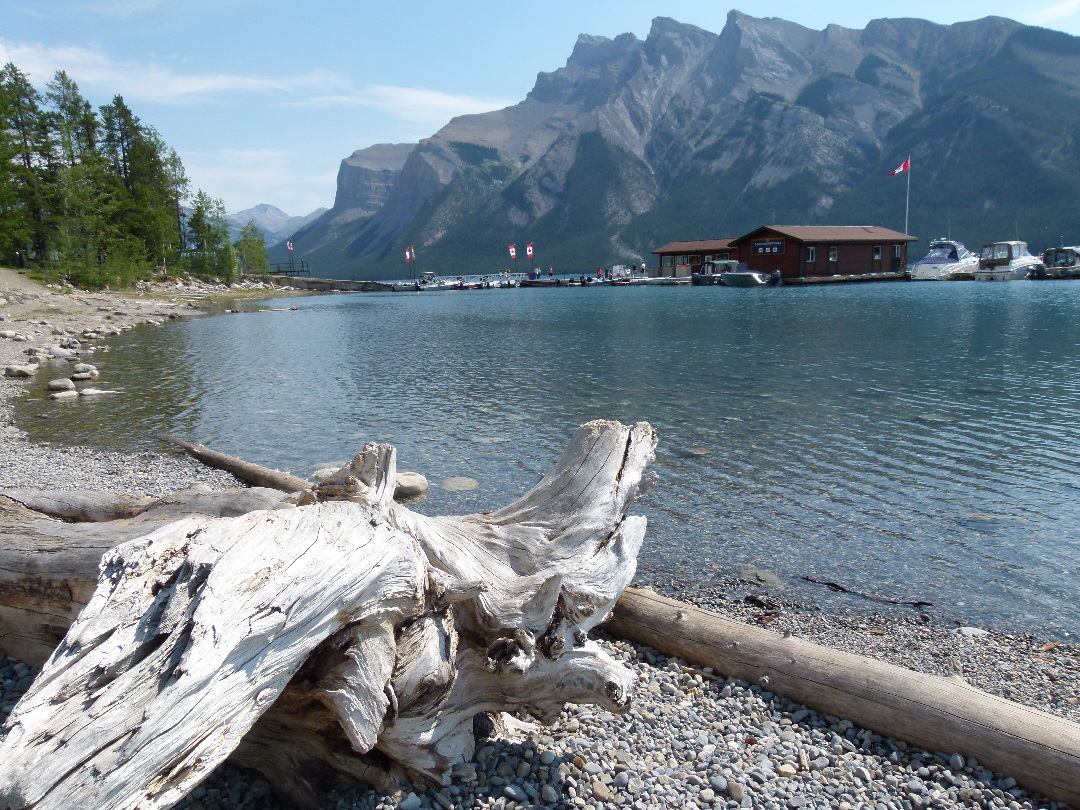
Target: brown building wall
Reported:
[(851, 258)]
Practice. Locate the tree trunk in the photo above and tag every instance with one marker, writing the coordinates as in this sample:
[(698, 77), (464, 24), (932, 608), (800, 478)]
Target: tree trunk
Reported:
[(1041, 751), (332, 633)]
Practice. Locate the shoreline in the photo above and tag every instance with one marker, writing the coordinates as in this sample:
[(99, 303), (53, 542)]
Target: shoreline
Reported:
[(682, 720)]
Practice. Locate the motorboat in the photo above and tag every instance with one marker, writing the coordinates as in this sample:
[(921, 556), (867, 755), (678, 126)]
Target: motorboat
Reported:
[(1007, 261), (710, 271), (1062, 262), (749, 278), (947, 260)]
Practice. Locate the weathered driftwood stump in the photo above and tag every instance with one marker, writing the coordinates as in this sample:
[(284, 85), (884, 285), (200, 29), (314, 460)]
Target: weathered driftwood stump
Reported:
[(327, 635)]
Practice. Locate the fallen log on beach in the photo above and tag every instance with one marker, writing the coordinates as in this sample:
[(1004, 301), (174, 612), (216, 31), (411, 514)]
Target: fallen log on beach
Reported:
[(253, 474), (334, 635), (1041, 751)]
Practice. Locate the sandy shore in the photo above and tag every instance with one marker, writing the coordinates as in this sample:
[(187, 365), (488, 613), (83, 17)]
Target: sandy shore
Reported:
[(690, 741)]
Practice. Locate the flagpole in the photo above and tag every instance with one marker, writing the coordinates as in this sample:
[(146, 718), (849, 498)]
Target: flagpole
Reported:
[(907, 202)]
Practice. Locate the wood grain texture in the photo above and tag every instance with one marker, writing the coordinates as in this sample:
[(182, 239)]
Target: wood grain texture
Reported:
[(334, 635)]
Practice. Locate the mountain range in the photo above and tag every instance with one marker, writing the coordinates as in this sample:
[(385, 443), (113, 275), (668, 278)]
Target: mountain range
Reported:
[(690, 134), (274, 223)]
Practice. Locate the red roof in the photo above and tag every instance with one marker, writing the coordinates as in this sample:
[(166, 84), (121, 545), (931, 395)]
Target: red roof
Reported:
[(701, 246), (831, 233)]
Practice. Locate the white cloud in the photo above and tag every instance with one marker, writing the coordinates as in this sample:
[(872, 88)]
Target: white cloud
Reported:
[(242, 178), (1052, 13), (162, 83), (152, 82), (415, 105)]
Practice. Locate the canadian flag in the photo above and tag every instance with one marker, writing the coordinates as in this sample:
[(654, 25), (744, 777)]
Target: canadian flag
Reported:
[(288, 245), (513, 252), (528, 250), (407, 256), (412, 251), (903, 167)]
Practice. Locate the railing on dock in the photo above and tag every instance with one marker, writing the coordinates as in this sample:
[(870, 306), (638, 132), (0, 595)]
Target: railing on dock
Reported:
[(291, 269)]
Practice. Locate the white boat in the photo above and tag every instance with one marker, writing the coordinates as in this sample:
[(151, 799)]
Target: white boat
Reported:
[(946, 261), (1007, 261), (750, 278), (1062, 262)]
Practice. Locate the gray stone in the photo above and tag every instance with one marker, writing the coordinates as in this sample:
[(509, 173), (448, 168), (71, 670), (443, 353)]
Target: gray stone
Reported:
[(602, 792), (20, 371), (64, 394), (759, 576), (61, 384), (957, 762), (410, 485), (458, 483), (736, 790), (516, 793)]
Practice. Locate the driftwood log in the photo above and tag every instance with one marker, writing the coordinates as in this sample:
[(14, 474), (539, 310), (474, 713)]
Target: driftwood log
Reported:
[(1041, 751), (329, 634)]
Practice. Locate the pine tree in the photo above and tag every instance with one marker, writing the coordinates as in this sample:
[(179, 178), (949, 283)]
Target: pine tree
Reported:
[(26, 142), (210, 252), (251, 252)]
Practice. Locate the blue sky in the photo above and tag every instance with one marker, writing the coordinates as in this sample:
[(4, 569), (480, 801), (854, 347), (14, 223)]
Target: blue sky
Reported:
[(262, 98)]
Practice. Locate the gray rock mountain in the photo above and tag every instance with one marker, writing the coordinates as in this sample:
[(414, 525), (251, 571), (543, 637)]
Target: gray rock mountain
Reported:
[(272, 221), (692, 135)]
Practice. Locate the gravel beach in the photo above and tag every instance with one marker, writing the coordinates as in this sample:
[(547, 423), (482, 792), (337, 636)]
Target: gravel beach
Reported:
[(692, 739)]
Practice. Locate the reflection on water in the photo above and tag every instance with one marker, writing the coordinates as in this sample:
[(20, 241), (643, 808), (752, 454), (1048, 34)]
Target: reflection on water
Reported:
[(917, 441)]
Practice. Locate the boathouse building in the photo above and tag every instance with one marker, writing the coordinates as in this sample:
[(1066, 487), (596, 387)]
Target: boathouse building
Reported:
[(684, 258), (797, 251)]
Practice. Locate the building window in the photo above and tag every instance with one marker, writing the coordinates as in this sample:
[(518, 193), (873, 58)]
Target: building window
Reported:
[(665, 261), (811, 254), (834, 253), (896, 251), (724, 254), (877, 253)]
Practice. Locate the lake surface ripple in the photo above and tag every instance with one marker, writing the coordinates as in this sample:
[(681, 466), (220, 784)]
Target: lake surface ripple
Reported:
[(910, 441)]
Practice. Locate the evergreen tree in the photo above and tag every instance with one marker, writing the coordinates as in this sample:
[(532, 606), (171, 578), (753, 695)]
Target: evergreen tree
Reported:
[(251, 252), (76, 129), (15, 230), (26, 139), (150, 179), (209, 250)]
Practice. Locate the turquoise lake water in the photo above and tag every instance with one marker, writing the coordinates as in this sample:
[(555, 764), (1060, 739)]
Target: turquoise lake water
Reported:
[(913, 441)]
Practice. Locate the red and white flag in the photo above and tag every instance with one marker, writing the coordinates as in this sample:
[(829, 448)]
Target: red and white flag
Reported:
[(528, 250), (513, 252), (288, 245), (903, 167), (408, 258), (412, 251)]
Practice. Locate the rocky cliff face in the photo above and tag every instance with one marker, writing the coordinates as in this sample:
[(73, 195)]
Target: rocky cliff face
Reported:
[(690, 135)]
